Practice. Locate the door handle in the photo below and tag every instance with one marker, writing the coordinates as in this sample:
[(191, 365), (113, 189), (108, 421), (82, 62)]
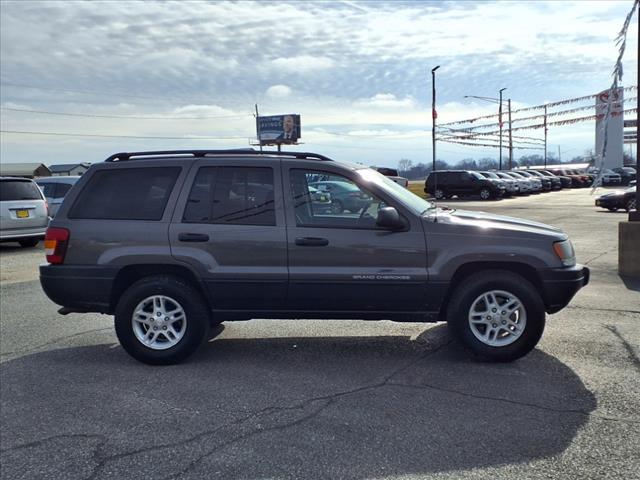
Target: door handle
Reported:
[(312, 242), (193, 237)]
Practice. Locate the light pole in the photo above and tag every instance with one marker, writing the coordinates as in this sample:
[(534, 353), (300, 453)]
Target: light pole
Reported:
[(500, 122), (434, 114)]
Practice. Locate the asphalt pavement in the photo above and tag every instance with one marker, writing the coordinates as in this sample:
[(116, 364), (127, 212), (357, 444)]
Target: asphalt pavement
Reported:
[(330, 399)]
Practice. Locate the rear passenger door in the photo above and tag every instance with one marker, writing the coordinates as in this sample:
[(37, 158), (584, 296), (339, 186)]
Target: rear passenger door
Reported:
[(229, 227)]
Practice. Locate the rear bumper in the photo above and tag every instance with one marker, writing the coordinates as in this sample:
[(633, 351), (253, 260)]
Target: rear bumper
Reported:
[(561, 284), (78, 287), (17, 233)]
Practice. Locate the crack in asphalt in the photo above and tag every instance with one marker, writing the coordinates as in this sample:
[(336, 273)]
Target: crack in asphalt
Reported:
[(600, 255), (633, 356), (614, 310), (425, 386), (32, 349)]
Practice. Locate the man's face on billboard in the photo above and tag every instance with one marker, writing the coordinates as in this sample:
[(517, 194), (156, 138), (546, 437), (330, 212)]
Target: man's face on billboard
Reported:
[(287, 123)]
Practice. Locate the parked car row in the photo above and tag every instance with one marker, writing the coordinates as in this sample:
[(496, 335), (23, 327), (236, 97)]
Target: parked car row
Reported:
[(494, 184)]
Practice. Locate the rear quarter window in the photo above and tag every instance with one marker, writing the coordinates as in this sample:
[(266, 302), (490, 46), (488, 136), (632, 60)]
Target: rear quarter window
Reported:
[(12, 190), (126, 194)]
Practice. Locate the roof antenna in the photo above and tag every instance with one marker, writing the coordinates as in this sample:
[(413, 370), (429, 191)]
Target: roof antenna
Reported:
[(434, 116)]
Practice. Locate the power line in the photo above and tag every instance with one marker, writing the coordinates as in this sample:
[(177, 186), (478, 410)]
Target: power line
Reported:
[(119, 136), (132, 117), (110, 94)]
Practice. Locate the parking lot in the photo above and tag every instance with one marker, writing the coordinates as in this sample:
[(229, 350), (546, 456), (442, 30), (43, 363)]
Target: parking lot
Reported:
[(330, 399)]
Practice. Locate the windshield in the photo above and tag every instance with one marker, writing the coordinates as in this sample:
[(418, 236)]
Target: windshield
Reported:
[(490, 174), (477, 175), (410, 200)]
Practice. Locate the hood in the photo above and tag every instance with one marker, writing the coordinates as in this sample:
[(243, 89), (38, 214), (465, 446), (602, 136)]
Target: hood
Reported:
[(491, 224)]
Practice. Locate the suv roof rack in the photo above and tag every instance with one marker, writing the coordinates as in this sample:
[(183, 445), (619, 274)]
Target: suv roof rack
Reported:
[(125, 156)]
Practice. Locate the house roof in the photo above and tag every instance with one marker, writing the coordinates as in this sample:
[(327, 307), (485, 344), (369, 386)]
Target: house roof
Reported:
[(22, 169), (67, 167)]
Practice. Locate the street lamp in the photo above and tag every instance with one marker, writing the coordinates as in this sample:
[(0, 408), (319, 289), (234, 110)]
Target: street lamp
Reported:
[(499, 102), (434, 114)]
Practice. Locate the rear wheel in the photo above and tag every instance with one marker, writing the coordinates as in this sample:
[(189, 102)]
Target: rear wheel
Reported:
[(28, 242), (439, 194), (497, 314), (161, 320), (613, 209)]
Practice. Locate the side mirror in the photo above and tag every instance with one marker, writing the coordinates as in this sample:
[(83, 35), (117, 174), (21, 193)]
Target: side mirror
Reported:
[(389, 218)]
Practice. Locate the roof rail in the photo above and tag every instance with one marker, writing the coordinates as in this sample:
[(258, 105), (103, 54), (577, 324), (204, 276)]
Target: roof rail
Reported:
[(124, 156)]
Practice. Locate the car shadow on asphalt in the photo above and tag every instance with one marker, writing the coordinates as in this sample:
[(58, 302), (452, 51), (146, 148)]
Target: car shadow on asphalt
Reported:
[(313, 407)]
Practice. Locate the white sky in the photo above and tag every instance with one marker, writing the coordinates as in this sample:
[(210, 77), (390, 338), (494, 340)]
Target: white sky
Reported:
[(357, 72)]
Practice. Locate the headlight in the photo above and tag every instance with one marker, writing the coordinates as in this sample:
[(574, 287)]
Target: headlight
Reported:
[(566, 254)]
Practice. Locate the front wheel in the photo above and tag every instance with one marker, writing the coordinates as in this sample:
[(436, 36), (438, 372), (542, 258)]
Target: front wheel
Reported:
[(336, 207), (161, 320), (497, 314), (485, 194)]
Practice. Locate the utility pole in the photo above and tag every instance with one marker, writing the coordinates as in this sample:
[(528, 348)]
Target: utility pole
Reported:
[(434, 115), (545, 136), (500, 122), (510, 139), (258, 127), (559, 155)]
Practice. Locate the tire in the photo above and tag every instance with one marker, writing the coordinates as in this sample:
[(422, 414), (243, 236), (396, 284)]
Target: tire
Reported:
[(502, 345), (485, 194), (336, 207), (166, 348), (439, 194), (631, 205), (28, 242), (613, 209)]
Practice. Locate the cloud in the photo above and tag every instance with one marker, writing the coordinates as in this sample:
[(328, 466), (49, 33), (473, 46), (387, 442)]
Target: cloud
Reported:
[(278, 91), (302, 63), (385, 100)]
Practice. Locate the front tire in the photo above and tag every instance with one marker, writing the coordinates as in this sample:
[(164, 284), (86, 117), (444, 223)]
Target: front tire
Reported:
[(497, 314), (161, 320), (485, 194)]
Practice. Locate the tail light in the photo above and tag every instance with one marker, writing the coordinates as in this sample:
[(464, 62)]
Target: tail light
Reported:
[(55, 244)]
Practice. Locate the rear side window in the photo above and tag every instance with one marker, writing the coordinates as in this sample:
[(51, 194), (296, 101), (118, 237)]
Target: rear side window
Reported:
[(62, 189), (232, 195), (48, 189), (126, 194), (11, 190)]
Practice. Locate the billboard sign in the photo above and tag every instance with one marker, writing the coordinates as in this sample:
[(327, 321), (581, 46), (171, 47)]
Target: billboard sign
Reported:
[(278, 129)]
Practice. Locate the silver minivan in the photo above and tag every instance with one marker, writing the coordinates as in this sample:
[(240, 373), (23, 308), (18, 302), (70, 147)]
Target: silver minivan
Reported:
[(24, 213), (55, 189)]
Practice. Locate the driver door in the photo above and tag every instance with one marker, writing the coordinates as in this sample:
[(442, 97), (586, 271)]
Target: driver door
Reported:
[(339, 259)]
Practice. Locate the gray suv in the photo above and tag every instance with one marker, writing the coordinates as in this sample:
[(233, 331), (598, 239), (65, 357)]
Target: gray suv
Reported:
[(171, 243)]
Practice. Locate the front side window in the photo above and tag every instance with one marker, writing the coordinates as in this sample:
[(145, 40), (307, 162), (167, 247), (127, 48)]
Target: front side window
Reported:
[(126, 194), (232, 195), (323, 199)]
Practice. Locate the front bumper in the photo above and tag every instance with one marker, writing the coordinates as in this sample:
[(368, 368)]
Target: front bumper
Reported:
[(559, 285)]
